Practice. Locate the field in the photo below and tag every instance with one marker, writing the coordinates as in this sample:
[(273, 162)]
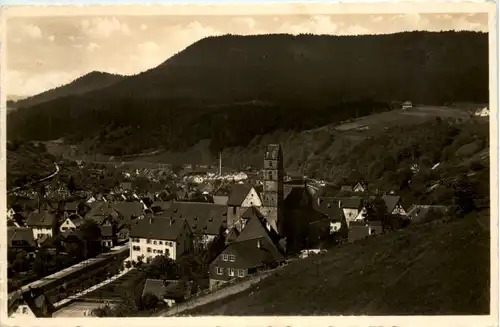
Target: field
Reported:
[(438, 268), (112, 290)]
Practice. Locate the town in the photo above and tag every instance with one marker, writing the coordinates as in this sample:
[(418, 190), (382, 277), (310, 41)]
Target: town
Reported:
[(214, 229)]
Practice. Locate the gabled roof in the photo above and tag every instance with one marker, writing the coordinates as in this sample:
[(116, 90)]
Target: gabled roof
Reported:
[(252, 212), (221, 199), (106, 230), (159, 228), (164, 205), (101, 209), (76, 219), (203, 218), (254, 229), (391, 201), (330, 207), (45, 219), (129, 209), (232, 236), (346, 188), (254, 253), (238, 194), (20, 234), (71, 206)]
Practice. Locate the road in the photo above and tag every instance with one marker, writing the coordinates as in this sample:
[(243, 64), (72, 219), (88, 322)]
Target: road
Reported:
[(38, 180)]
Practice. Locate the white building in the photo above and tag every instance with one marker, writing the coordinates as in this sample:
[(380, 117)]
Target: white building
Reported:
[(71, 223), (42, 223), (154, 236)]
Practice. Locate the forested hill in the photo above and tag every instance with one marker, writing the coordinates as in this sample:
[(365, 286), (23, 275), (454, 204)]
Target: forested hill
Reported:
[(89, 82), (231, 88)]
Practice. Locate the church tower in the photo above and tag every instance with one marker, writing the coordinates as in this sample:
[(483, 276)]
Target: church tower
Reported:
[(272, 195)]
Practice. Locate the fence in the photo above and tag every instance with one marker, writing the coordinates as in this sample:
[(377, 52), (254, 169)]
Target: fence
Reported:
[(228, 288)]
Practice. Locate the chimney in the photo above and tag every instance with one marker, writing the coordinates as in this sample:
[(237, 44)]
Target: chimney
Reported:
[(220, 163)]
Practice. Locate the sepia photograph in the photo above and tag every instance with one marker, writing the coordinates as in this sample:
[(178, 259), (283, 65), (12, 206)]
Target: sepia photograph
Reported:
[(249, 160)]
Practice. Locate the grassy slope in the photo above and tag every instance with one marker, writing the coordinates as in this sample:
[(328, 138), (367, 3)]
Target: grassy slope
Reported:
[(427, 269)]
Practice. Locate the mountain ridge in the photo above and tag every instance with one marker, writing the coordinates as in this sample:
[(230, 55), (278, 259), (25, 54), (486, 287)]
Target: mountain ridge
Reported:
[(81, 85), (305, 81)]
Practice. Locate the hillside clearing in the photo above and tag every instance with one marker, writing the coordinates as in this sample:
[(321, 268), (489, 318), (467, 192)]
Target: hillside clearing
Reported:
[(440, 268)]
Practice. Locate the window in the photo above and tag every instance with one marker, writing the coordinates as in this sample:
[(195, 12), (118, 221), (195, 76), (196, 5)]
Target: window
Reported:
[(148, 241), (136, 240), (160, 251), (149, 250), (224, 257), (231, 271), (234, 210), (241, 273), (64, 228), (136, 248), (160, 242), (270, 175), (220, 271), (154, 242), (25, 310), (232, 258)]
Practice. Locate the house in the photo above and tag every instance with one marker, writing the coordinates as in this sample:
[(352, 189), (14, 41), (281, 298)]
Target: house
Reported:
[(254, 250), (406, 105), (206, 220), (333, 209), (123, 234), (168, 291), (71, 207), (154, 236), (72, 222), (17, 220), (21, 238), (360, 187), (242, 197), (30, 304), (109, 236), (10, 213), (362, 229), (422, 213), (394, 205), (352, 207), (42, 223)]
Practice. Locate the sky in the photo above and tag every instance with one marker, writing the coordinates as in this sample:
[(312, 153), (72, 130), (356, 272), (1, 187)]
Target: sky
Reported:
[(48, 51)]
